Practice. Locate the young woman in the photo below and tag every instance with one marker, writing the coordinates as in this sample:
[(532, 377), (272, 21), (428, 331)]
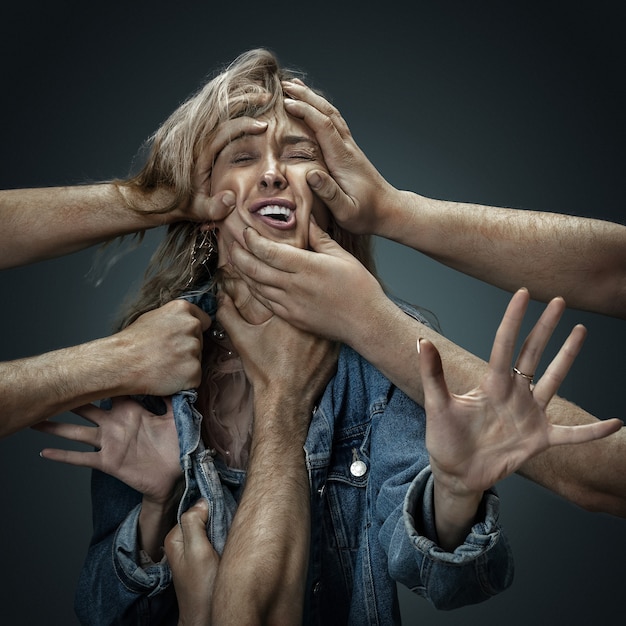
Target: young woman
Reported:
[(382, 509)]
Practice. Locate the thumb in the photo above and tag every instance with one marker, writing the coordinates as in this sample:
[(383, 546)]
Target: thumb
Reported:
[(193, 524), (327, 189), (203, 317), (219, 206), (436, 394)]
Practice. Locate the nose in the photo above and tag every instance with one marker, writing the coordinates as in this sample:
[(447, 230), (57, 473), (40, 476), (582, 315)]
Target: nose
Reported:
[(272, 176)]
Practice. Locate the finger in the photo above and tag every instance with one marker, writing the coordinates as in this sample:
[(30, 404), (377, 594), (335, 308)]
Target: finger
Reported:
[(561, 435), (534, 345), (325, 187), (317, 103), (559, 367), (72, 432), (274, 254), (174, 543), (194, 533), (72, 457), (219, 206), (229, 317), (203, 317), (324, 126), (226, 132), (253, 310), (436, 392), (193, 525), (229, 131), (269, 294), (251, 268), (506, 336)]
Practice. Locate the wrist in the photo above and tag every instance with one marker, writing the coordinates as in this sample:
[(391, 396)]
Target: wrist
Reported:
[(156, 519), (154, 207), (400, 220), (281, 417), (455, 514)]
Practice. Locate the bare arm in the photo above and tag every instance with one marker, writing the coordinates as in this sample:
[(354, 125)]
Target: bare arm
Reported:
[(125, 363), (39, 224), (581, 259), (49, 222), (353, 308), (263, 569)]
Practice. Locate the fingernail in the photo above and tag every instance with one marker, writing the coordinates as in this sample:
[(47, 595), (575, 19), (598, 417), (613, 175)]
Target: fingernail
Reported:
[(289, 101), (419, 348), (314, 180), (229, 199)]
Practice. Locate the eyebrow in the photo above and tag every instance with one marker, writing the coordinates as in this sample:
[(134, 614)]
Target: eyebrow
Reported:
[(295, 139), (287, 139)]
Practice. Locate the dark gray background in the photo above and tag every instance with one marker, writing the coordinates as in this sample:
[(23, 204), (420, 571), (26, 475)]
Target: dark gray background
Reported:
[(513, 104)]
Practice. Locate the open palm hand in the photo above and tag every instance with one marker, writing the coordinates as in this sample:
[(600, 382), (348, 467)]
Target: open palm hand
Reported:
[(476, 439), (132, 444)]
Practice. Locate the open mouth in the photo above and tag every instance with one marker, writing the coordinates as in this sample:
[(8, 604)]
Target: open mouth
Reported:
[(276, 213)]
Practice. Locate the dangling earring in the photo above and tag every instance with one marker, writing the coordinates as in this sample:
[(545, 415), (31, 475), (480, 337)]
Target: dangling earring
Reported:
[(204, 248)]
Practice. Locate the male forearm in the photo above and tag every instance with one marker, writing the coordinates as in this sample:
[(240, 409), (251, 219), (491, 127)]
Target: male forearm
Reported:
[(591, 475), (42, 223), (581, 259), (263, 568), (35, 388)]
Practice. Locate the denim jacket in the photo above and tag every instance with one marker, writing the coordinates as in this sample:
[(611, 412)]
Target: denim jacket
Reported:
[(371, 508)]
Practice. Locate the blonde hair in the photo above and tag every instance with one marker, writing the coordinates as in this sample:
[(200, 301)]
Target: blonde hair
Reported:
[(250, 86)]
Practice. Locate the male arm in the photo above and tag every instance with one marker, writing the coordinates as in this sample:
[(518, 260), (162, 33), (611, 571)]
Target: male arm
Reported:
[(581, 259), (353, 308), (41, 223), (48, 222), (158, 354), (262, 573)]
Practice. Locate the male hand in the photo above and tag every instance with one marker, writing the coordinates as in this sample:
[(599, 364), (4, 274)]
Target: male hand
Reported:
[(160, 352), (278, 358), (247, 304), (195, 204), (355, 191), (324, 291), (194, 565), (202, 206)]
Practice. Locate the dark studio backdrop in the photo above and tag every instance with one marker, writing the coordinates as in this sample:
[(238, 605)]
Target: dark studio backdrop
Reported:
[(512, 104)]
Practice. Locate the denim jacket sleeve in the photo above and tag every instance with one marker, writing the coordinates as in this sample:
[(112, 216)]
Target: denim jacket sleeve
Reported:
[(478, 569), (113, 588)]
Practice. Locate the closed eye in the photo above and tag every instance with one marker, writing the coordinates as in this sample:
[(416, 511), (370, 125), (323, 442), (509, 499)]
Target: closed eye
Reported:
[(307, 155), (242, 157)]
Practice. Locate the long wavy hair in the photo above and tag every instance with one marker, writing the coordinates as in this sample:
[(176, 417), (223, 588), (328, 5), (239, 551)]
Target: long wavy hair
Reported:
[(249, 86)]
